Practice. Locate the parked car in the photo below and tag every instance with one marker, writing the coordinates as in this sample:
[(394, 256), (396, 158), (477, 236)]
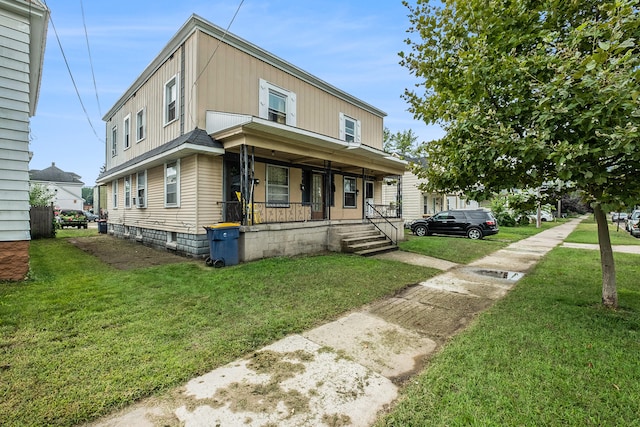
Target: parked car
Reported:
[(91, 216), (632, 220), (544, 216), (619, 216), (475, 224), (72, 218)]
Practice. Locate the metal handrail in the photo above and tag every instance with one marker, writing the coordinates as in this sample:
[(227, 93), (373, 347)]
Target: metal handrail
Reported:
[(373, 208)]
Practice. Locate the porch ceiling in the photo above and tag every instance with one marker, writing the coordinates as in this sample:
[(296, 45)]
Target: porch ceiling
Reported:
[(300, 147)]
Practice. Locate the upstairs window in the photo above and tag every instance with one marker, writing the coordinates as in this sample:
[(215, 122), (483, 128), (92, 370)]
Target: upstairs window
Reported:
[(350, 129), (126, 132), (277, 186), (140, 124), (277, 107), (141, 200), (170, 100), (276, 104), (114, 141), (172, 184)]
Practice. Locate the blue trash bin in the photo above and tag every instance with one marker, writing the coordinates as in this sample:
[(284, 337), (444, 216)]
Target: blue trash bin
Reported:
[(102, 226), (223, 244)]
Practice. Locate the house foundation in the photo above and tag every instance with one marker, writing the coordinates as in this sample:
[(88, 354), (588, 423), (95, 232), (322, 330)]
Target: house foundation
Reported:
[(14, 260), (257, 241)]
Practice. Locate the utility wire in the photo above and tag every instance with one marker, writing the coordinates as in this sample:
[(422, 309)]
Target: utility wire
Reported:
[(226, 31), (72, 79), (219, 42), (86, 36)]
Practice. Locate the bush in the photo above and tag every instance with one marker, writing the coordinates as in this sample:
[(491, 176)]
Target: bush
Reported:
[(505, 219)]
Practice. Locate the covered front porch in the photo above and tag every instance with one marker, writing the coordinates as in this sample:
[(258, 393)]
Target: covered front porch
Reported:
[(274, 173), (291, 189)]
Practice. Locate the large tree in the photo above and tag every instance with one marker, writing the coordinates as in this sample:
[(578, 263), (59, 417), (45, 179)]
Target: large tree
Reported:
[(529, 92)]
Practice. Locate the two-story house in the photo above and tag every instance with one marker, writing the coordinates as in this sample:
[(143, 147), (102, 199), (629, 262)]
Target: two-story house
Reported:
[(23, 29), (65, 186), (216, 130)]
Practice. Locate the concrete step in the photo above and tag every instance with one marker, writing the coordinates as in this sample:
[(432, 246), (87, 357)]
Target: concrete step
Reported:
[(377, 251)]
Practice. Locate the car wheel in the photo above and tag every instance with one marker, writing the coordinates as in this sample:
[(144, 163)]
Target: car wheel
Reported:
[(420, 230), (474, 233)]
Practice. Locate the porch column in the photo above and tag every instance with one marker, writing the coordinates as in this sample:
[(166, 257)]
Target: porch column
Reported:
[(399, 197), (328, 189)]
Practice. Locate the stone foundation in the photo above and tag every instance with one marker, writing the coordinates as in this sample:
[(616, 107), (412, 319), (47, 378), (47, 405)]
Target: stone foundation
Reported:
[(255, 242), (185, 244), (14, 260)]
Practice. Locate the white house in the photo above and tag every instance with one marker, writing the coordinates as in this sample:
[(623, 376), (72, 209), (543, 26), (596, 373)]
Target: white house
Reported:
[(23, 27), (418, 204), (66, 186)]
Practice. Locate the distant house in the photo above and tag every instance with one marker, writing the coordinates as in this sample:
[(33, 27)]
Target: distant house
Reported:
[(416, 203), (216, 129), (23, 27), (66, 186)]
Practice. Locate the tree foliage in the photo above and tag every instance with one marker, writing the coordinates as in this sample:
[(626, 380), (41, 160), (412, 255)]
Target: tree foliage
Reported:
[(40, 195), (528, 92), (402, 143)]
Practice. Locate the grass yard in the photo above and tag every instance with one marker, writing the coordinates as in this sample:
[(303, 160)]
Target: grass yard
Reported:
[(547, 354), (588, 229), (462, 250), (81, 339)]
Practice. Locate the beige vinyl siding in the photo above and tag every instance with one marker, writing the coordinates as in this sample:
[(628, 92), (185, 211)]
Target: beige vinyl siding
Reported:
[(209, 182), (150, 97), (200, 190), (230, 83)]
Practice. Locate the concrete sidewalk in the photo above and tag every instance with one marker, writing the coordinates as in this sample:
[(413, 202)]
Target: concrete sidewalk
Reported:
[(348, 371)]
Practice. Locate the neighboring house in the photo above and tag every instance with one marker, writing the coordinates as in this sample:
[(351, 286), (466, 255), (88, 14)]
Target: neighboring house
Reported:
[(216, 130), (418, 204), (23, 27), (66, 186)]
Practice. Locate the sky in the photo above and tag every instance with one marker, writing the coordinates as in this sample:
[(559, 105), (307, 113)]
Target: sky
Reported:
[(351, 44)]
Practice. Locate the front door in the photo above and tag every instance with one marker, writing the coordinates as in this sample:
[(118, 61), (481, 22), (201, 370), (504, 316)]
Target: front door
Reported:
[(317, 196), (368, 198)]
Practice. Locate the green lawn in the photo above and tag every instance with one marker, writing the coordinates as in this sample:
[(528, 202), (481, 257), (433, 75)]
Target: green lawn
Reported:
[(462, 250), (547, 354), (80, 339), (587, 233)]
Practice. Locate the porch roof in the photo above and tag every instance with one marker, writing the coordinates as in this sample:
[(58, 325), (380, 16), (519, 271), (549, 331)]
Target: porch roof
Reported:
[(196, 141), (299, 146)]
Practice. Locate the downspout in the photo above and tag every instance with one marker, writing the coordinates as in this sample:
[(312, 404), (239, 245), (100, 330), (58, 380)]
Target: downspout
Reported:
[(182, 97)]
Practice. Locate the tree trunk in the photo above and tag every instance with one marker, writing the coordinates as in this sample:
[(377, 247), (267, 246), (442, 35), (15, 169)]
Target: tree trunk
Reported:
[(609, 290)]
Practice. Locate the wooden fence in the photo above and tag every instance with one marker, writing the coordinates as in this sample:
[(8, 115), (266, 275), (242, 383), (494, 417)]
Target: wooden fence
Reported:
[(42, 222)]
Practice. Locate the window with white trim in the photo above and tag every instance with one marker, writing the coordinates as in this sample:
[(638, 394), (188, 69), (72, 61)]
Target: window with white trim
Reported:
[(277, 186), (350, 192), (141, 200), (140, 125), (172, 184), (114, 190), (114, 141), (170, 100), (350, 129), (126, 132), (127, 191), (276, 104)]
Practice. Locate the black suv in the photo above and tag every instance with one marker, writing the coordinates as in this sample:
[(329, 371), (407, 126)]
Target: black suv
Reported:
[(475, 224)]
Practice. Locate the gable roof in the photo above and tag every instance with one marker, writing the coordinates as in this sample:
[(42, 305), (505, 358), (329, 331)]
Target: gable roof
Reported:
[(54, 174), (197, 23)]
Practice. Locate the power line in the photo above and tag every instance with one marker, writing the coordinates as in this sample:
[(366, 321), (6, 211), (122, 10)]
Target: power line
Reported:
[(226, 31), (72, 79), (86, 36)]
